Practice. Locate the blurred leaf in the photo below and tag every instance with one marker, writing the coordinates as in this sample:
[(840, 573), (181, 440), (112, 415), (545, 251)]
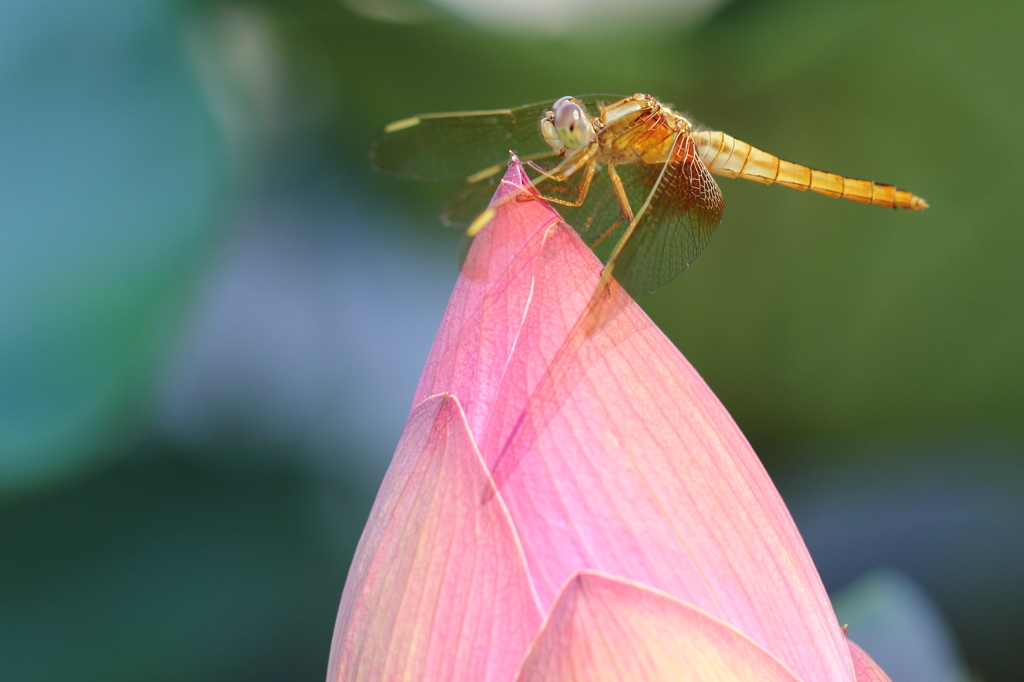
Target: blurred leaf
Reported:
[(896, 622), (159, 569), (948, 515), (109, 168)]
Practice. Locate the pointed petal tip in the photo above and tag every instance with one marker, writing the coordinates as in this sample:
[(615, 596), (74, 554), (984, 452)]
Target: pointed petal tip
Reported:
[(516, 174)]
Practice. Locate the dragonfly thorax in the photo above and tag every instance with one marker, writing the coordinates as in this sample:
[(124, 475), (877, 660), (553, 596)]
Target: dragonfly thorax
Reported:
[(566, 127)]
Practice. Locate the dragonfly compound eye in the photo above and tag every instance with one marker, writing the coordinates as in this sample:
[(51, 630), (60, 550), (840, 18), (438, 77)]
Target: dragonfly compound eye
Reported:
[(571, 124)]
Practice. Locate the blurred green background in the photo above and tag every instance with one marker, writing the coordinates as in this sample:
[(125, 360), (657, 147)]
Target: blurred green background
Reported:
[(213, 314)]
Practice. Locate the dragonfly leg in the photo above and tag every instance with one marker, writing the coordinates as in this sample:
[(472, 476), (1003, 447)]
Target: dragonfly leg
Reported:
[(620, 194), (546, 172), (603, 288), (579, 192), (606, 233)]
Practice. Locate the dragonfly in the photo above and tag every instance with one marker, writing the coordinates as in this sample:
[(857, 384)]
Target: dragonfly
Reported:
[(630, 170)]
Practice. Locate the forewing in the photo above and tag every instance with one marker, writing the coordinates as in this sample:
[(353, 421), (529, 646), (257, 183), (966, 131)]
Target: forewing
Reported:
[(451, 147), (684, 211), (456, 146), (468, 201)]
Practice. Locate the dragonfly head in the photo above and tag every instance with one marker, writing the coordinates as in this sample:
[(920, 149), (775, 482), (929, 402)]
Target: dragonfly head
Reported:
[(566, 127)]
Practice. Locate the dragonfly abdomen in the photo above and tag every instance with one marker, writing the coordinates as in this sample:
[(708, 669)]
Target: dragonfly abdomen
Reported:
[(724, 155)]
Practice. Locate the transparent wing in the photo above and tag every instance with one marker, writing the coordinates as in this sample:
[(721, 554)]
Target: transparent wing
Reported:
[(684, 212), (599, 211), (600, 217), (456, 146), (469, 201)]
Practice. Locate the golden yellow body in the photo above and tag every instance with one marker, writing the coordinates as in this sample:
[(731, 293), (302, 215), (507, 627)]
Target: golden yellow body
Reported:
[(626, 168)]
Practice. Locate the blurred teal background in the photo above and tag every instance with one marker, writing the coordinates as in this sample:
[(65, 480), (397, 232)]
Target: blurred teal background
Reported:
[(213, 314)]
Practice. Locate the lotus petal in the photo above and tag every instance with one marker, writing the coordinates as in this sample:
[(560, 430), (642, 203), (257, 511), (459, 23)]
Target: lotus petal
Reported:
[(610, 451), (438, 588), (607, 629)]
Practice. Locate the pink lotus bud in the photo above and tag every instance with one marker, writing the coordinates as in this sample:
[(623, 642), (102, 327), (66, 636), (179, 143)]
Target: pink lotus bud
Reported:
[(570, 501)]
